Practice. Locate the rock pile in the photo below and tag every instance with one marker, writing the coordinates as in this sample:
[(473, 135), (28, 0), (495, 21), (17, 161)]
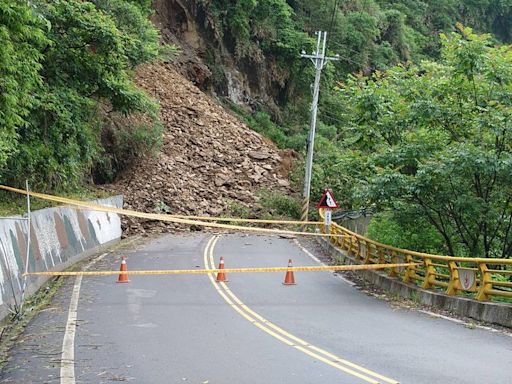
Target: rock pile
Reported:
[(209, 160)]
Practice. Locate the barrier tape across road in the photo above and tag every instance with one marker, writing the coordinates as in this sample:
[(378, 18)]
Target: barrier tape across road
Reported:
[(225, 270), (239, 220), (175, 219)]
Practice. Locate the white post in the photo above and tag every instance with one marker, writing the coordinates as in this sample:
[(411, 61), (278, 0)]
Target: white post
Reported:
[(319, 60), (27, 257), (327, 220)]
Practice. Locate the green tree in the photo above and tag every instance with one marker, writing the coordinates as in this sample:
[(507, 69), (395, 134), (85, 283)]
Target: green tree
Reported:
[(409, 231), (439, 142), (140, 37), (23, 39), (92, 48)]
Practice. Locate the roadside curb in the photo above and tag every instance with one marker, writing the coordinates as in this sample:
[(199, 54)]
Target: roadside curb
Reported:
[(488, 312)]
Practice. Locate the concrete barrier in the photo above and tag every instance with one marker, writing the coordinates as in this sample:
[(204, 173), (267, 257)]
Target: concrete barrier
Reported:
[(489, 312), (59, 237)]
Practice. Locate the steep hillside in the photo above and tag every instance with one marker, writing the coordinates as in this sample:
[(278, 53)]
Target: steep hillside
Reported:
[(209, 160), (248, 51)]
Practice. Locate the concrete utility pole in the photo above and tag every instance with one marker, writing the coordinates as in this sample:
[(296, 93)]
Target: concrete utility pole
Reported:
[(319, 60)]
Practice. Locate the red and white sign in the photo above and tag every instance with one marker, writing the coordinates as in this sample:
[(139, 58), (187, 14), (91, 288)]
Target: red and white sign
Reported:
[(327, 201), (467, 279)]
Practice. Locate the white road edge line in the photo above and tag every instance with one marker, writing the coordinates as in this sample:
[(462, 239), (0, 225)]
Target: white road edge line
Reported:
[(432, 314), (465, 323), (67, 360), (303, 249)]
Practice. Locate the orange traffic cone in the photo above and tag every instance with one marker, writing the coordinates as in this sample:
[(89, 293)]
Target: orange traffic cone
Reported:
[(289, 279), (221, 276), (123, 277)]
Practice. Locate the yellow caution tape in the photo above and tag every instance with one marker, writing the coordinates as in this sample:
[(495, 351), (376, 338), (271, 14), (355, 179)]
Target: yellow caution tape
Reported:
[(226, 270), (239, 220), (154, 216)]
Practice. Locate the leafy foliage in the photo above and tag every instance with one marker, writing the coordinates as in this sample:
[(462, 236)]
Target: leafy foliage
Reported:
[(256, 28), (58, 143), (262, 123), (377, 33), (66, 58), (279, 205), (124, 143), (438, 141), (370, 36), (23, 38), (407, 232)]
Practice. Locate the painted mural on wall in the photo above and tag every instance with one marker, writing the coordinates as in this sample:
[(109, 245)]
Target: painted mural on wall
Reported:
[(58, 236)]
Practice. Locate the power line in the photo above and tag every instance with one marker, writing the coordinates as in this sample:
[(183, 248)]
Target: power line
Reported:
[(352, 61), (343, 58), (345, 48), (329, 117), (334, 15)]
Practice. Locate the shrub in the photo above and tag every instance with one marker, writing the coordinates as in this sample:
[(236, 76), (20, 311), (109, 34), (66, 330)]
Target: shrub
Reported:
[(416, 234), (278, 204)]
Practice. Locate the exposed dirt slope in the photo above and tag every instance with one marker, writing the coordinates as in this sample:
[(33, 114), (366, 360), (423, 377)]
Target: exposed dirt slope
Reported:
[(209, 160)]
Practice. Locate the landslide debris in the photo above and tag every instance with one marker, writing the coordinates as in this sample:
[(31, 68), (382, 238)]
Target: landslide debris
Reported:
[(209, 160)]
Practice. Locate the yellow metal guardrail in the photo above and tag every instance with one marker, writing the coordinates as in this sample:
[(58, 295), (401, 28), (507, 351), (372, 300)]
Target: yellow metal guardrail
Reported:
[(479, 278)]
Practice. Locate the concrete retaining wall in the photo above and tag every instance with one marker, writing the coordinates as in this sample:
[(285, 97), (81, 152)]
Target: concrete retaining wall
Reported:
[(489, 312), (59, 237)]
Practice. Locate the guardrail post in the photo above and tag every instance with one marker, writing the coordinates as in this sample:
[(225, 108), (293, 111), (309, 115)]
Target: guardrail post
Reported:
[(454, 284), (485, 282), (367, 251), (410, 272), (344, 239), (393, 272), (358, 247), (380, 252), (370, 251), (349, 245), (336, 231), (367, 254), (430, 276)]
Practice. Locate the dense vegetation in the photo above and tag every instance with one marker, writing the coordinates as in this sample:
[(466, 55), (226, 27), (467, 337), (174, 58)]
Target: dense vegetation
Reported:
[(435, 145), (414, 118), (61, 64), (428, 143), (368, 35), (376, 33)]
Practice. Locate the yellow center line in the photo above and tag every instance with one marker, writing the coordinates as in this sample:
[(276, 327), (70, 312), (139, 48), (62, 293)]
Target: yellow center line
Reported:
[(282, 335)]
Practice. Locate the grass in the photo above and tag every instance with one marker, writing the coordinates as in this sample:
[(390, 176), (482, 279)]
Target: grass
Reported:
[(12, 204), (14, 325), (279, 206), (238, 210), (501, 299)]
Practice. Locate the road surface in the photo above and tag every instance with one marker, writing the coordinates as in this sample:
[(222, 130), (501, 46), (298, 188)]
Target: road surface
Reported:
[(253, 329)]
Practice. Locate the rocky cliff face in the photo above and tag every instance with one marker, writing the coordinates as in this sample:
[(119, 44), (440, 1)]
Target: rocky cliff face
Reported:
[(206, 59), (210, 162), (209, 159)]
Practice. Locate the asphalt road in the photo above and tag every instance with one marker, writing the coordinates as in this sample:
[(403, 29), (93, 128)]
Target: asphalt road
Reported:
[(189, 329)]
